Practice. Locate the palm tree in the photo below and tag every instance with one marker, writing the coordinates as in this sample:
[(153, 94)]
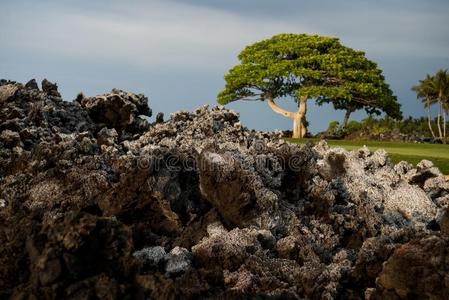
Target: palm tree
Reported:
[(425, 91), (441, 84), (435, 90)]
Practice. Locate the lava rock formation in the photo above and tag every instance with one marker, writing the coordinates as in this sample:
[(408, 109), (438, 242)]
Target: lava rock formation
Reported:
[(97, 203)]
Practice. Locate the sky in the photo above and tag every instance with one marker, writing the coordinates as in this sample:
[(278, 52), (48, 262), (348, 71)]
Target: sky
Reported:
[(176, 52)]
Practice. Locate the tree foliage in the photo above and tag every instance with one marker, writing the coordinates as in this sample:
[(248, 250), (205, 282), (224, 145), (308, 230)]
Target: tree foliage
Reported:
[(371, 125), (434, 90), (312, 66)]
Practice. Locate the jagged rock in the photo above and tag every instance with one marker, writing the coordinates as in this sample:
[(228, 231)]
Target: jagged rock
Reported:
[(32, 84), (417, 269), (160, 117), (152, 256), (436, 187), (50, 89), (287, 247), (10, 138), (179, 261), (403, 168), (224, 184), (366, 182), (79, 98), (107, 136), (424, 171), (119, 110), (227, 249), (442, 219), (266, 239), (91, 195), (7, 91)]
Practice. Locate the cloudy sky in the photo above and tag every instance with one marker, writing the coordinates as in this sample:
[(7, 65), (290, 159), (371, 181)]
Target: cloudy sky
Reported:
[(177, 51)]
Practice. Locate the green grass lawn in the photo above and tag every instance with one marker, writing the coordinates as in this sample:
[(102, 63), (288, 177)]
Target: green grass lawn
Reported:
[(411, 152)]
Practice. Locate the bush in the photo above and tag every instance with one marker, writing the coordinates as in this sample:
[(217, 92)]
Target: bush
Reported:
[(353, 126), (376, 126)]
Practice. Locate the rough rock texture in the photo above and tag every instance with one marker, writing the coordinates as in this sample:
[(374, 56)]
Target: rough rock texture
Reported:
[(426, 261), (118, 109), (49, 88), (97, 203), (160, 117)]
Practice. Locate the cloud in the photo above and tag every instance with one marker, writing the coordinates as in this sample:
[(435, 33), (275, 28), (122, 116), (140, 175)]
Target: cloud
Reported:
[(177, 51), (167, 33), (161, 34), (393, 28)]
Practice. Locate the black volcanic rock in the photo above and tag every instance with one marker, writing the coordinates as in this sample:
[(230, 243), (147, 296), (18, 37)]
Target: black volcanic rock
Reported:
[(160, 117), (97, 203), (119, 110), (32, 84), (49, 88)]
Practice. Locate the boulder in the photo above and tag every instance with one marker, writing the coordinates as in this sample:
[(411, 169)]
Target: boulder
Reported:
[(118, 109), (179, 261), (32, 84), (418, 267), (160, 117)]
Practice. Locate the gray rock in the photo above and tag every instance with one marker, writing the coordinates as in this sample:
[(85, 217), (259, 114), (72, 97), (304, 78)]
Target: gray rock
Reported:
[(179, 260), (151, 257), (424, 170), (402, 168), (368, 181), (436, 187)]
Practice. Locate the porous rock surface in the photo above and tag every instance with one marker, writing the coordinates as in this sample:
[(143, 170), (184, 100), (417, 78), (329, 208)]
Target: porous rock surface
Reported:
[(96, 203)]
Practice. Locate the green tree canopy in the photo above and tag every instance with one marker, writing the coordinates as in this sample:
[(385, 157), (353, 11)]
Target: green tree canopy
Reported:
[(308, 67)]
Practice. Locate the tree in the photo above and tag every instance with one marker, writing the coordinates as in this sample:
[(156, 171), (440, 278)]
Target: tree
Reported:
[(305, 67), (435, 90), (425, 91), (441, 84)]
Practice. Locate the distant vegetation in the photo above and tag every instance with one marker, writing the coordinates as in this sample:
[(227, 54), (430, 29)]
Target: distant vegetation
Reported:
[(386, 128), (432, 91)]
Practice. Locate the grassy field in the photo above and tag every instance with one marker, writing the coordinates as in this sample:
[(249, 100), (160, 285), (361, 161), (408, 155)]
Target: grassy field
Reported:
[(413, 153)]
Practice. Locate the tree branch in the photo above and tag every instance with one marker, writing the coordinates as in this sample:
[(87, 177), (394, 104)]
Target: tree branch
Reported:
[(363, 101), (249, 99), (278, 109)]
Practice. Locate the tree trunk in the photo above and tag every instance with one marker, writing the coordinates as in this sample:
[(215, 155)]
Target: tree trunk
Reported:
[(444, 125), (298, 118), (301, 115), (346, 119), (428, 119), (438, 121)]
